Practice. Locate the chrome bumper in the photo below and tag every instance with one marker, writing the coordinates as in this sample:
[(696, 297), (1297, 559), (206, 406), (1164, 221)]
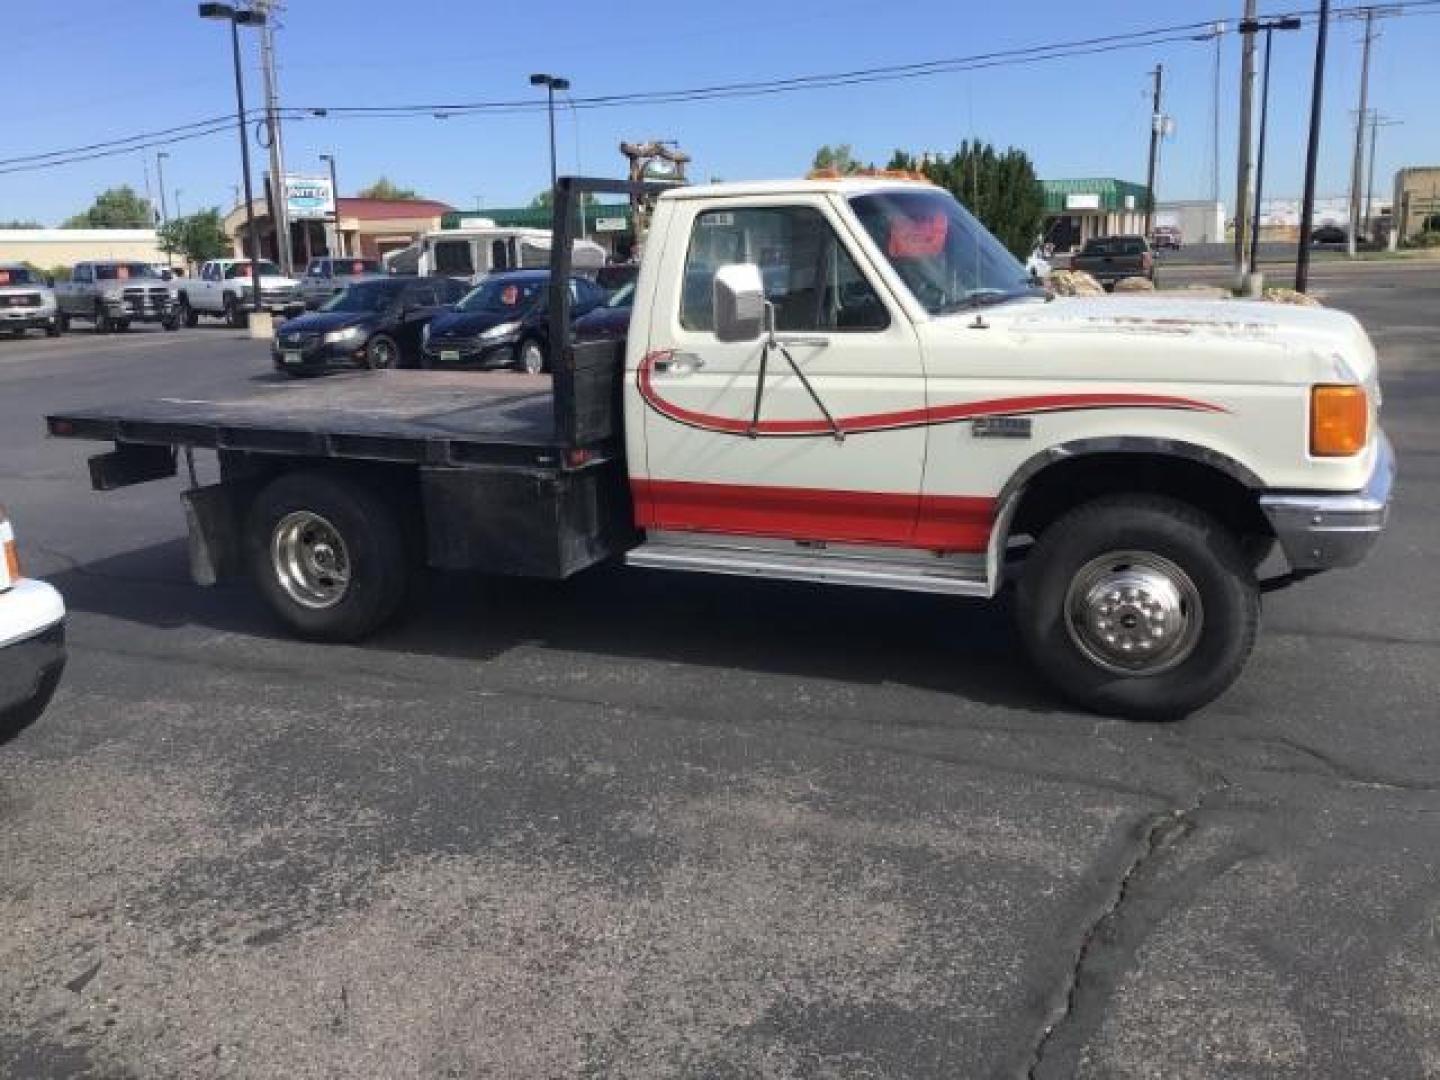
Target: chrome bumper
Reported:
[(1326, 530)]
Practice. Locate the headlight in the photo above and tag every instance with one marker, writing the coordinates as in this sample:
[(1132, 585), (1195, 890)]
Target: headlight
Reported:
[(502, 330), (335, 337), (112, 294)]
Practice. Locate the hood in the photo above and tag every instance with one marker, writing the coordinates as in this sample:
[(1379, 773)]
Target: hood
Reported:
[(464, 323), (323, 322), (603, 322), (1234, 340)]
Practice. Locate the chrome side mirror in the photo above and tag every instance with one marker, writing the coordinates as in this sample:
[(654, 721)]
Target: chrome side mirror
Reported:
[(738, 302)]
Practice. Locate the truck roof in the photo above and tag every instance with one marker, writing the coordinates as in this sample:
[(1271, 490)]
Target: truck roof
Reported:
[(844, 185)]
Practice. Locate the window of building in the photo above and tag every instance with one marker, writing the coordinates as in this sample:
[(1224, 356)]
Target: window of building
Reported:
[(809, 276)]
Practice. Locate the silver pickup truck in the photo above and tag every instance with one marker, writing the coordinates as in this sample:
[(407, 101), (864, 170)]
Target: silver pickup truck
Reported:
[(113, 293), (26, 301)]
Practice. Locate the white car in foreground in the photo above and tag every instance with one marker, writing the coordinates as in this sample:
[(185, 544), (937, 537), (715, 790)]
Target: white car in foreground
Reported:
[(32, 640)]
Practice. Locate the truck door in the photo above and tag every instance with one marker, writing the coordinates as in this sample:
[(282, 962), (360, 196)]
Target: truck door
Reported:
[(728, 451)]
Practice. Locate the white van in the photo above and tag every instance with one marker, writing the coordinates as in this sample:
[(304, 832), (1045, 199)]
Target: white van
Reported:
[(472, 252)]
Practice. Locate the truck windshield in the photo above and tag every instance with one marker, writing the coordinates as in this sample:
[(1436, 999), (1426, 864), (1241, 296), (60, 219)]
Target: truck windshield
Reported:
[(267, 269), (945, 257), (19, 275), (366, 297), (503, 297), (123, 271)]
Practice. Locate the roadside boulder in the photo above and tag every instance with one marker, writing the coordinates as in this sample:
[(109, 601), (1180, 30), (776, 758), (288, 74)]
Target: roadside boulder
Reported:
[(1134, 284), (1073, 283)]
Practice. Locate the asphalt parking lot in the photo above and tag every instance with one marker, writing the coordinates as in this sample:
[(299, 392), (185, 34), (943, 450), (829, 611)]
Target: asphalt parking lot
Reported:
[(645, 825)]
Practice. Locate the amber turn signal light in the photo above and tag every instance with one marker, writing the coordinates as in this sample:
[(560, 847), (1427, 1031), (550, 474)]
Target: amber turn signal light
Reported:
[(1339, 420)]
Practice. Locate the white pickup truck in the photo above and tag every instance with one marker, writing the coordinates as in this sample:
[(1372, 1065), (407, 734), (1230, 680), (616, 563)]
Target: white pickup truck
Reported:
[(841, 381), (223, 289)]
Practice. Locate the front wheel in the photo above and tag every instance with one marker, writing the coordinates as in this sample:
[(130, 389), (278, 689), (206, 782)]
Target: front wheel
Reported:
[(103, 322), (381, 352), (1138, 606), (328, 555), (56, 327), (236, 317), (530, 357), (188, 315)]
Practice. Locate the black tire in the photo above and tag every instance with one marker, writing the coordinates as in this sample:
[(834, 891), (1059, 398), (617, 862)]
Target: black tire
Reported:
[(62, 322), (56, 327), (188, 315), (103, 323), (372, 547), (382, 351), (236, 317), (524, 353), (17, 719), (122, 325), (171, 321), (1176, 535)]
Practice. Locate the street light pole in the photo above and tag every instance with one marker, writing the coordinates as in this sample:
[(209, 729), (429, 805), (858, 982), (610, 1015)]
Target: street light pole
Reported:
[(551, 84), (1268, 26), (160, 179), (339, 248), (1312, 152), (235, 18), (1156, 124)]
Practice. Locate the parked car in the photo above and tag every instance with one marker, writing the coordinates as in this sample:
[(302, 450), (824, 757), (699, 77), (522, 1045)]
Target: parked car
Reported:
[(111, 294), (1165, 237), (374, 323), (224, 289), (1329, 234), (27, 302), (611, 320), (327, 276), (1109, 258), (502, 323), (32, 640)]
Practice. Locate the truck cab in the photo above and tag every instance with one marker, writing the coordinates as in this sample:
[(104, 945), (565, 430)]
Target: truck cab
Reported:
[(27, 301)]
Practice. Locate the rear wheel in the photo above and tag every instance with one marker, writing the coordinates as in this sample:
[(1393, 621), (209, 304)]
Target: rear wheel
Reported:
[(188, 315), (236, 317), (62, 322), (381, 352), (328, 555), (1138, 606), (56, 326), (103, 322)]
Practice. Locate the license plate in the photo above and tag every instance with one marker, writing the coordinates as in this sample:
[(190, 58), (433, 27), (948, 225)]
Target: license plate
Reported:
[(292, 358), (449, 356)]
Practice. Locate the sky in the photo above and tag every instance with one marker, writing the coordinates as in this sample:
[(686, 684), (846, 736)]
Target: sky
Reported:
[(91, 70)]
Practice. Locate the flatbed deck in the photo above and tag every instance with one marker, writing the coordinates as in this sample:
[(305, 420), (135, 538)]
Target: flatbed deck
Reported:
[(421, 417)]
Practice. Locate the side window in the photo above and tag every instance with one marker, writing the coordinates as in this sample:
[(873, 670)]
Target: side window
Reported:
[(420, 296), (451, 291), (81, 272), (209, 272), (809, 277), (453, 257), (499, 255)]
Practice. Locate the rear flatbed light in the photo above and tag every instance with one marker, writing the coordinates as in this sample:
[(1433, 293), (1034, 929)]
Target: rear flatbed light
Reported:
[(1339, 420)]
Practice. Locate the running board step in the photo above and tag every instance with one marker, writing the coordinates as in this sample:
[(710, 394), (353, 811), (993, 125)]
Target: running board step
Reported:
[(908, 571)]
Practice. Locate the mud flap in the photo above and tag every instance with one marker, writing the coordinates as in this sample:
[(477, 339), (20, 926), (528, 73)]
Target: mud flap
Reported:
[(215, 516)]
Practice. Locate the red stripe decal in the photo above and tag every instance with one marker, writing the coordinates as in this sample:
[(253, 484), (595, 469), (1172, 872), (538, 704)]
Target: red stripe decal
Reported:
[(948, 523), (938, 414)]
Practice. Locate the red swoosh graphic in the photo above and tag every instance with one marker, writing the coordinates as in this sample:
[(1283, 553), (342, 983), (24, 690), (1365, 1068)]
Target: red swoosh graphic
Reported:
[(922, 417)]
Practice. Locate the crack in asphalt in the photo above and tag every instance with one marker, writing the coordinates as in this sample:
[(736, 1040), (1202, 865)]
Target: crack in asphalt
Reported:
[(1158, 833)]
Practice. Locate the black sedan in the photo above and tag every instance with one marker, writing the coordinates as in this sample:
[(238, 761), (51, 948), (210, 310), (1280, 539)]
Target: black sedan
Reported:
[(502, 323), (374, 323)]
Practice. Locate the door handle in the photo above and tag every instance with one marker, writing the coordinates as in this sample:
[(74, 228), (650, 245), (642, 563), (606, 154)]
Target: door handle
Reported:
[(680, 363)]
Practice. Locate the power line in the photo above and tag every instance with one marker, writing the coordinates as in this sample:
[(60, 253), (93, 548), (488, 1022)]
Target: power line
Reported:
[(1177, 33)]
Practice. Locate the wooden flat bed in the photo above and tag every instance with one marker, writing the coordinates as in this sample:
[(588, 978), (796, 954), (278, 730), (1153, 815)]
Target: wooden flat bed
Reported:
[(419, 417)]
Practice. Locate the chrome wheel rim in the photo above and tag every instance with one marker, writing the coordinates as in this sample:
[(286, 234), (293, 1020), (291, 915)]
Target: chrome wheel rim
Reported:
[(532, 359), (1134, 613), (310, 560)]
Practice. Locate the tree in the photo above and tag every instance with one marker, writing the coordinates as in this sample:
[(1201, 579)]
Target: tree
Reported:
[(385, 189), (198, 237), (20, 223), (1001, 189), (838, 158), (115, 208)]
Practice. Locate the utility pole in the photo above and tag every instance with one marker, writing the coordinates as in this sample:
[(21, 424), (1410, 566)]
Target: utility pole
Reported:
[(1376, 123), (1268, 28), (1157, 122), (160, 179), (1312, 151), (1219, 36), (1242, 169), (281, 220), (1369, 14)]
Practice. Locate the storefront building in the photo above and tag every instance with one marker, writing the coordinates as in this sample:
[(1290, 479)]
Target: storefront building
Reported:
[(368, 227), (1076, 210)]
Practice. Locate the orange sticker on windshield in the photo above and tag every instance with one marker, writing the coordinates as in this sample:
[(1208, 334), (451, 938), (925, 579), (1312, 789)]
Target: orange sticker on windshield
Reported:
[(122, 272), (509, 295), (4, 277), (357, 268), (921, 239)]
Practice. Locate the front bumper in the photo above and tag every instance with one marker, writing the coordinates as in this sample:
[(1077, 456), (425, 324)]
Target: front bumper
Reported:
[(27, 318), (1327, 530), (135, 309), (32, 616), (321, 357), (499, 353)]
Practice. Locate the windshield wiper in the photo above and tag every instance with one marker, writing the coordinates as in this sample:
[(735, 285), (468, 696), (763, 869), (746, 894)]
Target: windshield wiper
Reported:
[(986, 298)]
